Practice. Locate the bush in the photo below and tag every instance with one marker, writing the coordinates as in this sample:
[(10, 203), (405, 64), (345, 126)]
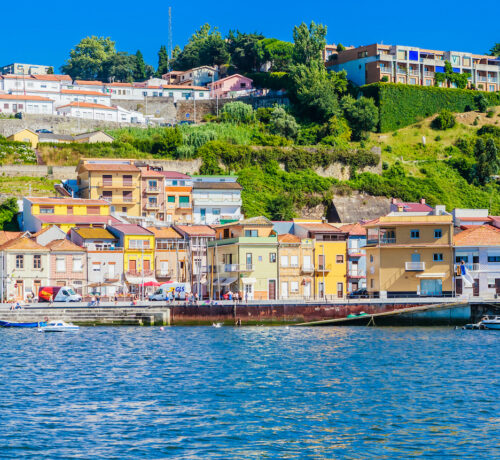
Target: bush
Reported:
[(309, 135), (271, 140), (337, 127), (490, 113), (445, 120), (362, 115), (489, 129), (401, 105), (237, 112), (384, 79), (481, 102), (263, 114), (283, 124)]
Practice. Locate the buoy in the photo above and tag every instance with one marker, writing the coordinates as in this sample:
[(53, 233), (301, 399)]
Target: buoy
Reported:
[(162, 328)]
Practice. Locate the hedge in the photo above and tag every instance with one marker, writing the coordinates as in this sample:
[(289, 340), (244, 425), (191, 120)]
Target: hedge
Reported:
[(401, 105), (270, 80)]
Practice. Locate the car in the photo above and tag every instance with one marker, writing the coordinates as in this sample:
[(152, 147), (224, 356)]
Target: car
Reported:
[(186, 122), (358, 294), (43, 131)]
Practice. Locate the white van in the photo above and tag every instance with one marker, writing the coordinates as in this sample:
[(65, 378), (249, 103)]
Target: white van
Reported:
[(178, 291)]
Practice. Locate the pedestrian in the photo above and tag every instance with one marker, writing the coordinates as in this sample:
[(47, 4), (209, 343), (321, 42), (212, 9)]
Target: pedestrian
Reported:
[(230, 295), (93, 301), (236, 297), (98, 299), (196, 298), (51, 299), (116, 298)]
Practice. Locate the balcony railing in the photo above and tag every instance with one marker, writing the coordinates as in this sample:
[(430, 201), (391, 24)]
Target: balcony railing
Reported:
[(289, 265), (384, 240), (428, 74), (152, 206), (152, 189), (140, 273), (184, 205), (385, 70), (307, 268), (117, 199), (415, 266), (355, 252), (164, 273), (228, 268), (115, 184), (414, 72), (323, 268)]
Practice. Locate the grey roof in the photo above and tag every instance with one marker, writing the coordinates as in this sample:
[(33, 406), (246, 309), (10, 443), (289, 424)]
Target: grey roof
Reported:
[(217, 186), (357, 207), (51, 136), (85, 135)]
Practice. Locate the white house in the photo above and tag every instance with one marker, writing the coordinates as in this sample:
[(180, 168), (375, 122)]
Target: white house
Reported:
[(13, 103), (34, 84), (216, 199), (88, 85), (93, 111), (95, 97), (198, 76), (123, 91)]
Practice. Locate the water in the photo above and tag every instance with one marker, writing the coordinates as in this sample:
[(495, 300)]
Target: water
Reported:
[(249, 393)]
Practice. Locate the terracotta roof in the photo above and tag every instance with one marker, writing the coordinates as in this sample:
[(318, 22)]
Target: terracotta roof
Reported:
[(109, 167), (131, 229), (52, 77), (196, 230), (67, 201), (83, 92), (475, 219), (76, 220), (185, 88), (164, 232), (289, 238), (87, 105), (174, 175), (89, 82), (353, 229), (483, 235), (94, 232), (414, 207), (64, 245), (217, 185), (23, 243), (151, 173), (119, 84), (19, 97), (7, 236), (320, 228)]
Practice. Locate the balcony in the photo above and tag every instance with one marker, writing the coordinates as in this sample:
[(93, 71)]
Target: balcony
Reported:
[(414, 72), (115, 185), (481, 78), (140, 273), (401, 71), (428, 74), (230, 268), (385, 70), (492, 79), (152, 206), (323, 268), (152, 190), (355, 252), (164, 273), (117, 199), (307, 269), (415, 266), (184, 206), (385, 240)]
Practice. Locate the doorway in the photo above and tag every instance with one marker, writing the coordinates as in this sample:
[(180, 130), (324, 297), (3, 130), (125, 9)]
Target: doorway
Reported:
[(272, 289), (340, 290), (20, 289), (284, 290), (248, 292), (307, 289)]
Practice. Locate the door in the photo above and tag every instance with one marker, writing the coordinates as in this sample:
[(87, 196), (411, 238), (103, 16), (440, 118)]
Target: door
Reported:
[(307, 289), (147, 265), (321, 262), (248, 291), (249, 260), (164, 267), (415, 257), (354, 286), (284, 290), (132, 265), (272, 289), (307, 262), (36, 287), (354, 268), (459, 286), (475, 288), (497, 285), (20, 289), (431, 287), (340, 290), (321, 290), (203, 214)]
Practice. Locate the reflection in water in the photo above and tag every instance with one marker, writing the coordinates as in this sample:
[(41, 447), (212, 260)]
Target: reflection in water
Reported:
[(250, 392)]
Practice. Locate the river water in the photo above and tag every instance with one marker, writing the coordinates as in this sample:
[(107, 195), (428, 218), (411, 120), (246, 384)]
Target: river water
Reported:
[(244, 393)]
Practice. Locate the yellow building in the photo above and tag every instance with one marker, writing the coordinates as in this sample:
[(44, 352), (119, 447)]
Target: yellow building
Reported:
[(25, 135), (117, 181), (330, 258), (138, 245), (65, 213), (410, 255)]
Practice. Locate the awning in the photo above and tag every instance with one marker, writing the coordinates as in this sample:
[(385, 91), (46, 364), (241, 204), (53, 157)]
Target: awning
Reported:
[(224, 281), (431, 275), (139, 279), (248, 280)]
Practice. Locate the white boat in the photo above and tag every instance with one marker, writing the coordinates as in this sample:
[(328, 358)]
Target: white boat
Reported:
[(491, 322), (58, 326), (216, 324)]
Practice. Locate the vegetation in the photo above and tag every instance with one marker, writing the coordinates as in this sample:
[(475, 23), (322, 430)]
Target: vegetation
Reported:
[(8, 211), (445, 120), (13, 152)]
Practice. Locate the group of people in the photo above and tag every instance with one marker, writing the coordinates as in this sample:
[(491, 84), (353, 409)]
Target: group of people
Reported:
[(235, 296)]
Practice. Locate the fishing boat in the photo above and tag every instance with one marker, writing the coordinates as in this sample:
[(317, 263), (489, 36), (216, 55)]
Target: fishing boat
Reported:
[(58, 326), (13, 324), (491, 322)]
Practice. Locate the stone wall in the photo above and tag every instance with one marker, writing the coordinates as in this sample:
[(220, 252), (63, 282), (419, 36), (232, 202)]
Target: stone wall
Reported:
[(159, 107)]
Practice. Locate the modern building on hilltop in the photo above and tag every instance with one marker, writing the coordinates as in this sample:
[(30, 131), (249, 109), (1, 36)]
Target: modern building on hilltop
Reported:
[(16, 68), (414, 66)]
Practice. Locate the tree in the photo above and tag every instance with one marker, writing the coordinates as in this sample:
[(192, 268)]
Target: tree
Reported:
[(87, 57), (486, 154), (237, 112), (163, 65), (8, 211), (244, 50), (118, 67), (140, 67), (50, 71), (495, 50), (481, 102), (451, 77), (444, 120), (309, 42), (276, 52), (281, 207), (340, 47), (213, 51), (362, 115), (283, 124)]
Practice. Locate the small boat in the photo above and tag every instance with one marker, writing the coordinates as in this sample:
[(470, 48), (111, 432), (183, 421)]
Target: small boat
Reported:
[(58, 326), (12, 324), (216, 324), (491, 322)]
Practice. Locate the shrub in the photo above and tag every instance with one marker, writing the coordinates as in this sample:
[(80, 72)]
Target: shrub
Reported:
[(237, 112), (271, 140), (490, 113), (362, 115), (337, 127), (263, 114), (385, 79), (481, 102), (283, 124), (210, 118), (438, 138), (445, 120), (309, 135), (489, 129)]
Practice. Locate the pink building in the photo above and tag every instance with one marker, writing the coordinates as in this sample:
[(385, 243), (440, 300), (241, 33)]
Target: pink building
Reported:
[(152, 194), (68, 264), (233, 84)]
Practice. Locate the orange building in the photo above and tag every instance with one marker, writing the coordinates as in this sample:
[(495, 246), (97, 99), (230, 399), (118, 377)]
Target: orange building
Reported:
[(178, 197)]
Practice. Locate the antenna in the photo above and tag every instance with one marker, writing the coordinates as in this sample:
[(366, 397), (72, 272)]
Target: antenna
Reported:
[(169, 36)]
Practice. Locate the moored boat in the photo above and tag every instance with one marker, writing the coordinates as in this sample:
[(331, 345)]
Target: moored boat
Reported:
[(58, 326), (491, 322), (14, 324)]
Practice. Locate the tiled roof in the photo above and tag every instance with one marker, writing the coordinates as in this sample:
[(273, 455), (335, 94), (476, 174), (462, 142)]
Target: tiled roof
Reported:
[(196, 230), (22, 97), (119, 84), (414, 207), (76, 220), (87, 105), (288, 238), (353, 229), (52, 77), (131, 229), (320, 228), (63, 245), (95, 232), (7, 236), (83, 92), (484, 235), (151, 173), (185, 88), (67, 201), (109, 167), (164, 232), (217, 185), (475, 219), (23, 243), (174, 175), (89, 82)]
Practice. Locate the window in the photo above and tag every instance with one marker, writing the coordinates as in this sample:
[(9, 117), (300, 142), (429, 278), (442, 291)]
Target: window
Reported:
[(294, 286), (216, 211), (152, 185), (96, 266), (437, 257), (414, 234), (463, 259), (260, 258), (438, 233), (294, 261), (19, 261), (371, 283), (37, 261), (138, 244), (493, 259), (272, 257), (77, 264), (46, 209), (284, 261), (93, 210), (251, 233), (340, 259), (60, 264), (171, 199), (371, 257)]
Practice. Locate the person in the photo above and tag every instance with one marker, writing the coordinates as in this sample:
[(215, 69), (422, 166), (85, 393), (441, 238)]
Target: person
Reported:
[(196, 298), (116, 298), (51, 299), (97, 299), (93, 301), (230, 295), (236, 297)]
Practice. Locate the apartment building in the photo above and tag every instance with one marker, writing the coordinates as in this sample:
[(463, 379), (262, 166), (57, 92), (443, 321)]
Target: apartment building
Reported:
[(118, 182), (356, 256), (68, 264), (35, 84), (243, 258), (16, 68), (170, 255), (216, 199), (410, 254), (413, 65), (153, 194), (178, 197), (330, 257), (14, 103), (65, 213)]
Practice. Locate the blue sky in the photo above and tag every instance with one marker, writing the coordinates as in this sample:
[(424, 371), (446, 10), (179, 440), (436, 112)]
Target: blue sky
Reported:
[(47, 33)]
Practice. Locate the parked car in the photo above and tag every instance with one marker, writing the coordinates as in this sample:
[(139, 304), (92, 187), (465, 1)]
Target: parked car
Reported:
[(359, 294), (44, 131)]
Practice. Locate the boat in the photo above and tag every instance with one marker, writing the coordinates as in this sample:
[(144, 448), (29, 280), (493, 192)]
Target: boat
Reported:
[(58, 326), (491, 322), (216, 324), (13, 324)]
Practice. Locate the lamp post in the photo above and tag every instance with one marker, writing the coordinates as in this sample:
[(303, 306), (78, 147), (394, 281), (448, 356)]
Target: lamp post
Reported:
[(324, 266)]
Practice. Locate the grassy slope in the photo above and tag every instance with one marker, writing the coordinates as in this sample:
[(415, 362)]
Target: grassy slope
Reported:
[(24, 185)]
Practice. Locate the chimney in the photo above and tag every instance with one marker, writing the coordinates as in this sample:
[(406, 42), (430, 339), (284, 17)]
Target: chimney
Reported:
[(422, 200)]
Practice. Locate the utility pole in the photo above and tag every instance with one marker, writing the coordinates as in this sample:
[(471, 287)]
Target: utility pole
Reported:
[(170, 52)]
